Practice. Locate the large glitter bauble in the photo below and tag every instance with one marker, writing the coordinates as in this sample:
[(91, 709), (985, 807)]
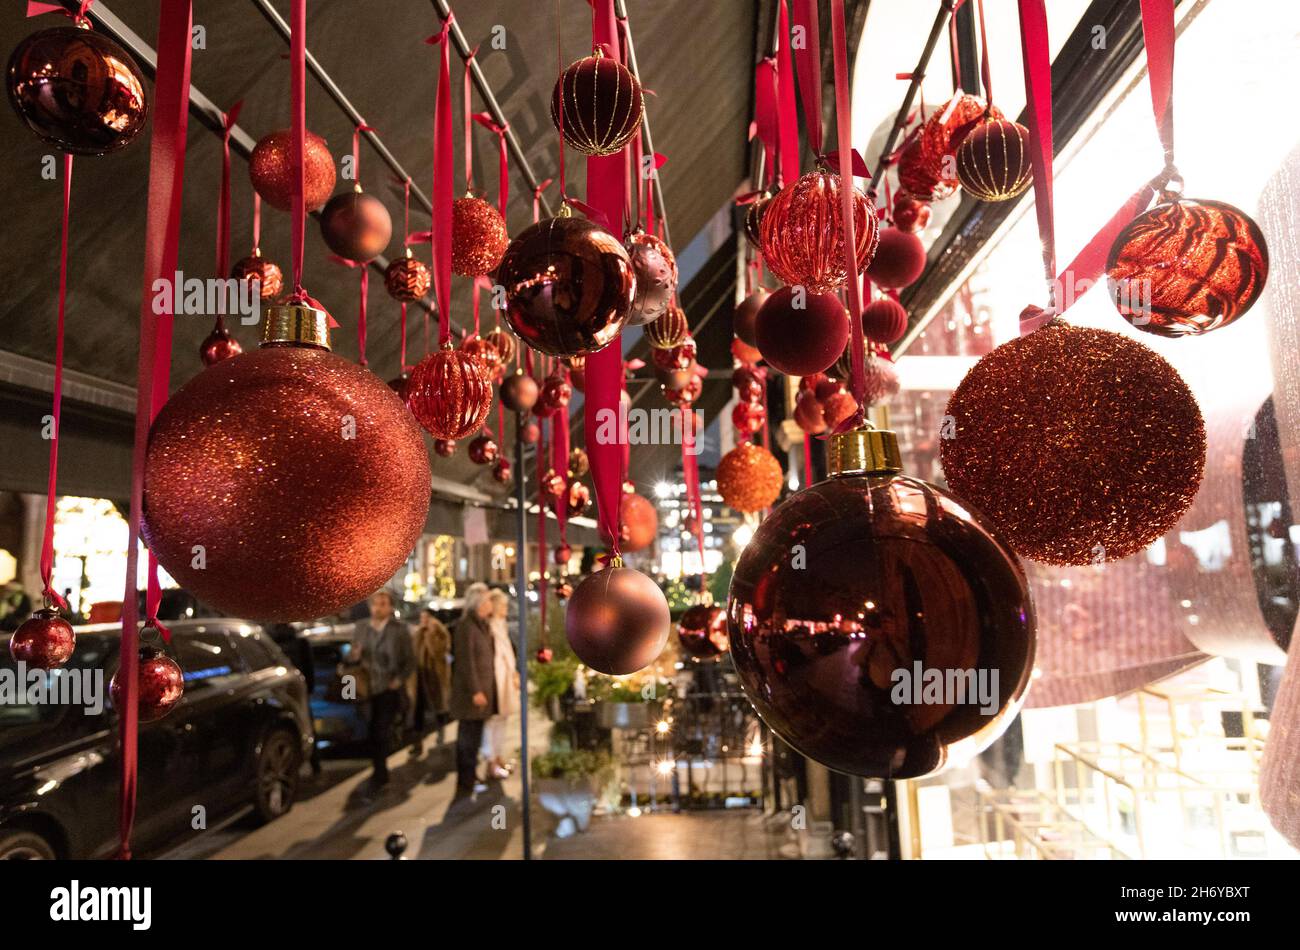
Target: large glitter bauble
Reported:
[(1078, 445), (899, 260), (356, 226), (77, 90), (877, 625), (286, 483), (702, 632), (656, 277), (749, 478), (754, 217), (478, 237), (669, 331), (803, 233), (927, 169), (884, 321), (503, 342), (482, 450), (256, 268), (638, 522), (44, 641), (519, 393), (596, 104), (909, 213), (569, 286), (617, 621), (450, 393), (555, 396), (160, 684), (744, 319), (800, 333), (270, 168), (1186, 267), (218, 345), (407, 279), (993, 160)]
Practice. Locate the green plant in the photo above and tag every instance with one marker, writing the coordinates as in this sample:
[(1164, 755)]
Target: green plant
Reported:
[(551, 680), (573, 765), (610, 690)]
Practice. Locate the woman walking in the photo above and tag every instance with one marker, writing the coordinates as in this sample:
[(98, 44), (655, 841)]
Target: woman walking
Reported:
[(473, 686), (506, 680), (432, 684)]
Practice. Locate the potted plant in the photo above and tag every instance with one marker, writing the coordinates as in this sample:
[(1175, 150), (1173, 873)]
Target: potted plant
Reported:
[(626, 703), (567, 781), (551, 681)]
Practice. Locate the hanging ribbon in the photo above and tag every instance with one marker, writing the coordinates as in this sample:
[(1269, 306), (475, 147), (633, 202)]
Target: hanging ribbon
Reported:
[(691, 475), (356, 149), (298, 148), (1158, 34), (503, 164), (954, 48), (787, 114), (443, 160), (469, 121), (541, 520), (809, 58), (257, 221), (228, 120), (844, 126), (986, 77), (37, 9), (537, 198), (767, 117), (561, 462), (1038, 105)]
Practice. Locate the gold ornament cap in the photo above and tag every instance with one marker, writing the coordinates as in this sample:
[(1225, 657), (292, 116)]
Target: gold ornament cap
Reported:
[(296, 324), (863, 451)]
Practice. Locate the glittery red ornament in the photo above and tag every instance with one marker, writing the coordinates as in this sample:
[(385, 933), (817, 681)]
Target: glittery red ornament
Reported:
[(578, 499), (744, 352), (928, 168), (899, 260), (255, 267), (749, 478), (617, 621), (450, 394), (270, 168), (501, 471), (544, 655), (656, 277), (837, 407), (800, 333), (554, 397), (77, 90), (218, 345), (909, 214), (478, 237), (44, 641), (445, 448), (669, 330), (160, 684), (748, 418), (1186, 267), (679, 356), (746, 313), (579, 463), (702, 632), (356, 226), (993, 160), (884, 320), (519, 393), (596, 104), (482, 450), (803, 233), (638, 522), (1078, 445), (503, 343), (748, 385), (808, 414), (481, 350), (407, 279)]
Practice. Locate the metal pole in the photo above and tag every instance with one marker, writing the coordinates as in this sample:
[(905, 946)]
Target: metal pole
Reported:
[(521, 599)]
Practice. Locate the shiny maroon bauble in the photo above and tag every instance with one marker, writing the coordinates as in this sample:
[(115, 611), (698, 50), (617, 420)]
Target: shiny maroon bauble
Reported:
[(544, 655), (577, 500), (555, 396), (519, 392), (482, 450), (803, 233), (450, 393), (160, 684), (504, 343), (746, 314), (748, 418), (271, 169), (218, 345), (656, 277), (884, 321), (531, 432), (44, 640), (852, 598), (617, 621), (1186, 267), (401, 385), (256, 268), (899, 259), (808, 413), (702, 632), (286, 483), (596, 104), (444, 448), (880, 377), (669, 331), (77, 90), (569, 286), (407, 279), (800, 333), (356, 226), (910, 214), (579, 463), (993, 160), (501, 471), (754, 217), (681, 356), (478, 237)]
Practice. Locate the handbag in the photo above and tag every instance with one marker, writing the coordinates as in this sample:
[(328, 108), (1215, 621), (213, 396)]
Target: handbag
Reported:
[(360, 678)]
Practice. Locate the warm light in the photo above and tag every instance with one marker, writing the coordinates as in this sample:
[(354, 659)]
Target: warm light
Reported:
[(663, 490), (742, 535), (665, 767), (756, 747), (662, 727), (634, 812)]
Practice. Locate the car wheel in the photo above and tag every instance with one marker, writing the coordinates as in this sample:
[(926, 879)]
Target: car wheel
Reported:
[(277, 774), (22, 845)]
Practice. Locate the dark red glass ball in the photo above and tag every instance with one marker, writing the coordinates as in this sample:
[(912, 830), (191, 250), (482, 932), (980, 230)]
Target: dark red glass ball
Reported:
[(501, 471), (160, 684), (356, 226), (482, 450), (445, 448), (808, 413), (519, 392), (44, 640), (555, 396), (218, 345), (993, 160), (746, 315), (800, 333), (596, 105), (899, 260), (617, 621), (531, 432), (702, 632), (544, 655)]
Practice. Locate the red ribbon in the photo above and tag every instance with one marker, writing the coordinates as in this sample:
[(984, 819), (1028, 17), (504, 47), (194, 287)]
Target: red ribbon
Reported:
[(228, 120), (37, 9), (767, 116), (985, 76), (257, 220), (810, 71), (356, 149), (844, 124), (537, 199), (298, 109), (469, 120), (443, 160), (787, 115), (1158, 34), (560, 459), (541, 519), (691, 475), (1038, 104), (503, 165)]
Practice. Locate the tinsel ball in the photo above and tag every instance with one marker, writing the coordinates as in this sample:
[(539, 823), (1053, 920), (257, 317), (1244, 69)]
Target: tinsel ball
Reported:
[(286, 483), (749, 478), (569, 286), (44, 641), (853, 598), (638, 522), (1186, 267), (554, 397), (808, 413), (578, 499), (754, 218), (1078, 445), (596, 105), (501, 471), (356, 226), (450, 394), (800, 333), (77, 90), (656, 277), (748, 418), (927, 169), (746, 314), (579, 463), (257, 268), (504, 343), (519, 392), (407, 279), (993, 161), (218, 345), (899, 260), (702, 632), (884, 320), (270, 168), (478, 237), (444, 448), (482, 450), (803, 233), (160, 684), (669, 331), (617, 621), (910, 214)]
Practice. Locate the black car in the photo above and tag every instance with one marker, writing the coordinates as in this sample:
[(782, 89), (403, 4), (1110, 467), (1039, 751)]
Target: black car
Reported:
[(236, 740)]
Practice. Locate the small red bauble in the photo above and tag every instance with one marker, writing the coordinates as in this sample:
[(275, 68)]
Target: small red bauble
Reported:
[(754, 217), (910, 214), (531, 432), (880, 378), (748, 388), (256, 268), (544, 655), (702, 632), (579, 464), (450, 394), (744, 352), (801, 333), (578, 372), (478, 237), (748, 418), (563, 591), (638, 522), (681, 356), (685, 395), (445, 448), (656, 277), (482, 450), (578, 499), (555, 396), (669, 330), (552, 484), (501, 470), (827, 387), (407, 279), (927, 167), (899, 259), (808, 413), (218, 345), (743, 319), (160, 684), (44, 641), (803, 233), (356, 225), (270, 167), (400, 385), (884, 320), (675, 378), (617, 621), (993, 160), (504, 343), (596, 104), (563, 554), (481, 350), (811, 381), (519, 392), (749, 478), (838, 407)]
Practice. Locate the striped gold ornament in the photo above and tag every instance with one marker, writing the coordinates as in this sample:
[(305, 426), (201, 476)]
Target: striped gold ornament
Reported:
[(669, 330), (601, 104), (993, 160)]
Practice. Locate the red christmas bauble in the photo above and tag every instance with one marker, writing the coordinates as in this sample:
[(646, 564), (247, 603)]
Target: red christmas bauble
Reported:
[(563, 554), (218, 345), (555, 396), (909, 213), (744, 352), (680, 356), (44, 641), (927, 169), (744, 318), (656, 277), (754, 217), (579, 463), (578, 499), (801, 333), (478, 237), (569, 286), (270, 168), (702, 632), (482, 350), (1078, 445), (1186, 267), (544, 655), (748, 388), (401, 385), (748, 418), (884, 320), (638, 522), (617, 621), (160, 684), (552, 484), (826, 387), (811, 381), (407, 279), (482, 450), (669, 331), (501, 471), (356, 226), (879, 376), (563, 591), (749, 478), (674, 378), (808, 414), (853, 598), (519, 392), (450, 394), (838, 407), (445, 448), (899, 259), (803, 233), (256, 268), (531, 432), (577, 372), (993, 160), (685, 395), (503, 343), (77, 90), (596, 104)]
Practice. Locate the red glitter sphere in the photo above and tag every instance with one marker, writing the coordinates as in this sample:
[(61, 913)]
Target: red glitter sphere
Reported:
[(596, 104), (501, 471), (744, 318), (519, 393), (617, 621), (993, 161), (749, 478), (702, 632), (884, 320), (669, 331), (43, 641), (482, 450), (808, 413), (218, 345), (803, 233), (899, 259), (838, 407), (445, 448), (270, 168), (356, 226), (748, 418), (656, 277), (450, 394), (578, 499), (910, 214), (555, 396), (801, 333), (256, 268), (160, 684), (407, 279), (478, 237)]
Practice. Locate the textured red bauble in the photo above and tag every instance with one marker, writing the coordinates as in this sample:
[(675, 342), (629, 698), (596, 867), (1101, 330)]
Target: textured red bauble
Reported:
[(77, 90), (478, 237), (218, 345), (596, 104), (160, 684), (803, 233), (1186, 267), (43, 641), (808, 413), (501, 471), (669, 331), (407, 279), (270, 168), (569, 286), (884, 320), (679, 356), (749, 478), (482, 450), (746, 313), (1078, 445), (579, 463), (356, 226), (899, 259), (638, 522), (837, 407), (555, 396), (577, 500), (748, 418), (444, 448), (927, 169), (702, 632), (656, 277), (910, 214), (256, 268), (617, 621), (993, 160), (504, 343), (800, 333), (880, 377), (519, 393), (450, 394)]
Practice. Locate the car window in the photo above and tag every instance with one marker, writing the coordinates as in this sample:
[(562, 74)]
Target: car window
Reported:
[(207, 659), (259, 652), (35, 700)]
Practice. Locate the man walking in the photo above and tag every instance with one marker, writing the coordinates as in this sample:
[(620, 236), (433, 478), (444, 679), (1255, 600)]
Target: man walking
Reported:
[(382, 646)]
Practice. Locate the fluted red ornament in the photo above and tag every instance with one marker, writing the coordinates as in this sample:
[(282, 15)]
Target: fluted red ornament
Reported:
[(669, 330), (501, 471), (656, 277), (899, 260), (555, 396), (617, 621), (702, 632), (519, 392), (803, 233), (884, 320), (445, 448), (256, 268), (808, 413), (451, 393), (482, 450), (478, 237), (748, 418), (927, 169), (504, 342), (355, 225), (746, 314), (749, 478), (218, 345), (44, 641), (271, 169), (578, 499), (160, 684), (579, 463), (909, 213), (800, 333), (680, 356), (407, 279), (597, 104), (993, 160)]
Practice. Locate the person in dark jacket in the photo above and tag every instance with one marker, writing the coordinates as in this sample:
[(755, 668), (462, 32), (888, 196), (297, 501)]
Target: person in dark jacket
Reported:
[(382, 645), (473, 683)]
